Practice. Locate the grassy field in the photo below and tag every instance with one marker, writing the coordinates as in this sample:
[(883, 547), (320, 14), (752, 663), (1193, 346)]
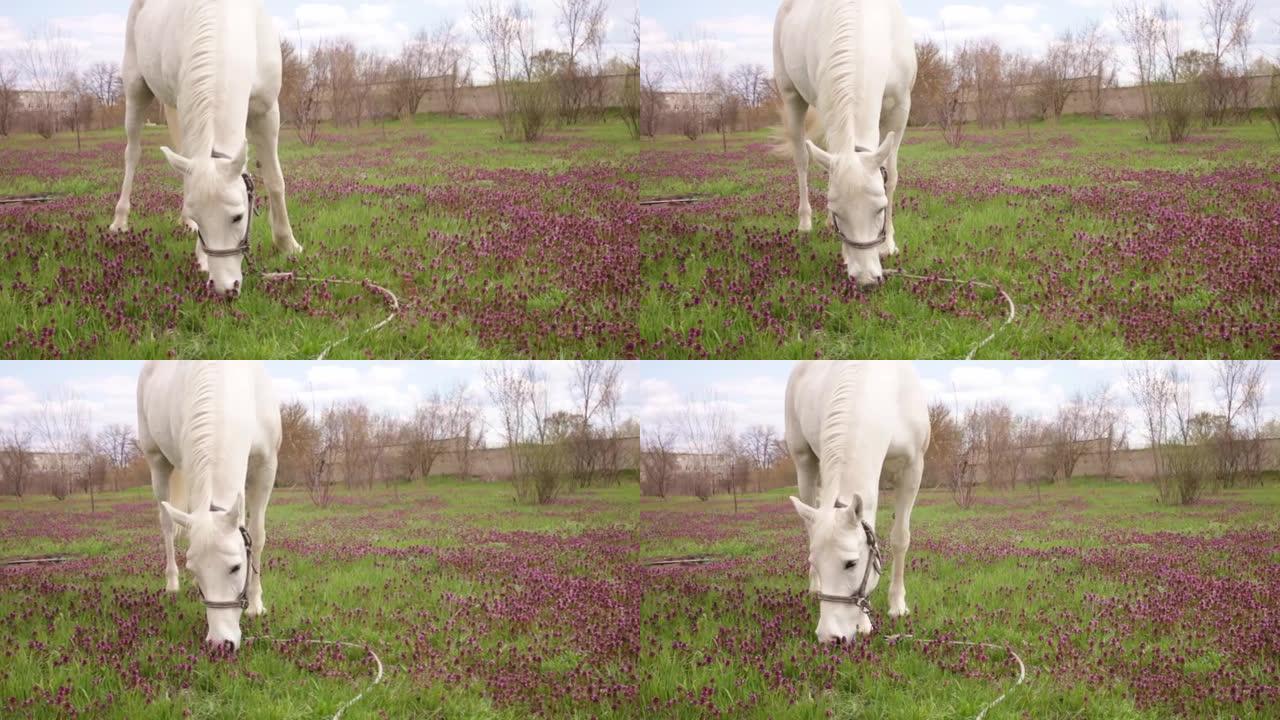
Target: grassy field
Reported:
[(479, 608), (1109, 245), (1121, 608), (495, 249)]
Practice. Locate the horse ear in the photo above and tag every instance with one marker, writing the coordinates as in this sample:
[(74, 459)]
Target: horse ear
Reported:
[(806, 512), (822, 156), (235, 165), (179, 163), (176, 515), (854, 513), (232, 517), (886, 146)]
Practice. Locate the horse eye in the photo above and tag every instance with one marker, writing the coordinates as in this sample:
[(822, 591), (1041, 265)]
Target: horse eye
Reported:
[(237, 218), (235, 569), (849, 564)]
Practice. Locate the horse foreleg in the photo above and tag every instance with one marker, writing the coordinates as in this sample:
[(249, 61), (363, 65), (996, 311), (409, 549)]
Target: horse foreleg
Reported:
[(137, 97), (793, 109), (261, 479), (895, 121), (900, 535), (161, 472), (172, 121), (264, 130)]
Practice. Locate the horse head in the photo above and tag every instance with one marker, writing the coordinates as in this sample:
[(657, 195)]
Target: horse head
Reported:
[(218, 196), (219, 557), (858, 203), (842, 557)]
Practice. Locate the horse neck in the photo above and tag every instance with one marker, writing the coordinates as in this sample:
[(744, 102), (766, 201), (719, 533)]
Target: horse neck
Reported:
[(215, 439), (214, 83), (850, 107), (854, 443)]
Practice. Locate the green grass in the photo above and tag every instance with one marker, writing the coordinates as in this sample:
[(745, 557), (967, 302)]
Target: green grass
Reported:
[(735, 638), (397, 569), (455, 221), (1005, 208)]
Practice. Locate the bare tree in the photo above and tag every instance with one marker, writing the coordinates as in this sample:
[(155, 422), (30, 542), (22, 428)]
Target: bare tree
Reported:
[(651, 103), (47, 60), (632, 99), (1069, 434), (61, 427), (1141, 31), (1152, 391), (692, 67), (8, 95), (581, 26), (760, 445), (707, 434), (509, 393), (1238, 387), (116, 443), (658, 458), (17, 461), (497, 27), (102, 82)]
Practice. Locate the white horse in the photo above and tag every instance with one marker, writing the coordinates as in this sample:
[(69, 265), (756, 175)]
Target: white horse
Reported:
[(218, 424), (847, 422), (215, 65), (853, 61)]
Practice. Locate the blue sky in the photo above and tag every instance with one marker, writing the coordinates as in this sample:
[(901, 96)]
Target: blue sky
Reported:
[(97, 28), (743, 29), (108, 387), (753, 391)]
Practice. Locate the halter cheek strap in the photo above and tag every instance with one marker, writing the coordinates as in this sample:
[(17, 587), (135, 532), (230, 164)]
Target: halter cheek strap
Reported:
[(243, 247), (242, 600), (859, 596)]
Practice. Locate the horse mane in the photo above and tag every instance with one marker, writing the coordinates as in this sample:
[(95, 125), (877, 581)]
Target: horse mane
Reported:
[(198, 79), (200, 435), (843, 77), (834, 434)]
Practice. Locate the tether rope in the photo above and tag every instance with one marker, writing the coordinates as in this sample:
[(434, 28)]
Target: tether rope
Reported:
[(344, 706), (393, 301), (1013, 310), (1022, 668)]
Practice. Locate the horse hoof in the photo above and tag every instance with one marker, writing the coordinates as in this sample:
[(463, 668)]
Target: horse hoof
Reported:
[(255, 611), (119, 226), (899, 612)]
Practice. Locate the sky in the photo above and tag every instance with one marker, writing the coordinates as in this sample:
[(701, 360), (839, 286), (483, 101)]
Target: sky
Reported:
[(754, 391), (743, 29), (97, 29), (108, 388)]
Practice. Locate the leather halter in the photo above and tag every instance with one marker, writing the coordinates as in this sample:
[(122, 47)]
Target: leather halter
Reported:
[(242, 600), (243, 247), (859, 596), (884, 231)]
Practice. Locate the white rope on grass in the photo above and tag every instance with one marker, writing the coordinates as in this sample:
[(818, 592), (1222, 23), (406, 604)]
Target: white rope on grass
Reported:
[(391, 297), (1022, 668), (1013, 310), (377, 678)]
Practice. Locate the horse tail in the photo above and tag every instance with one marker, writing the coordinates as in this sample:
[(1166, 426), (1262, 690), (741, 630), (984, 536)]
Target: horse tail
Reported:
[(814, 130)]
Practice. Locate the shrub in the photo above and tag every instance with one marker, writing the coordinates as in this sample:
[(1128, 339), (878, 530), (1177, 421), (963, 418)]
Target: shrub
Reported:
[(1175, 104), (534, 104)]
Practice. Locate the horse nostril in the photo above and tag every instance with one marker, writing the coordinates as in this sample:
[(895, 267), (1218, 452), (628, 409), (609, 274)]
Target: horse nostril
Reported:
[(235, 285)]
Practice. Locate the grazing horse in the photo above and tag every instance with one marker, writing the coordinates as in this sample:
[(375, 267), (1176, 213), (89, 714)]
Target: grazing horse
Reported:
[(854, 62), (215, 65), (847, 422), (218, 424)]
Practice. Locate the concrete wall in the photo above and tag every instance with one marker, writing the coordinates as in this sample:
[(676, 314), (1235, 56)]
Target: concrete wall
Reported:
[(1129, 465), (1121, 102)]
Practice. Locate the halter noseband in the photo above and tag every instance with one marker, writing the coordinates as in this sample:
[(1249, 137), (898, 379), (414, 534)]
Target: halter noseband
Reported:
[(859, 596), (884, 232), (243, 247), (242, 600)]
